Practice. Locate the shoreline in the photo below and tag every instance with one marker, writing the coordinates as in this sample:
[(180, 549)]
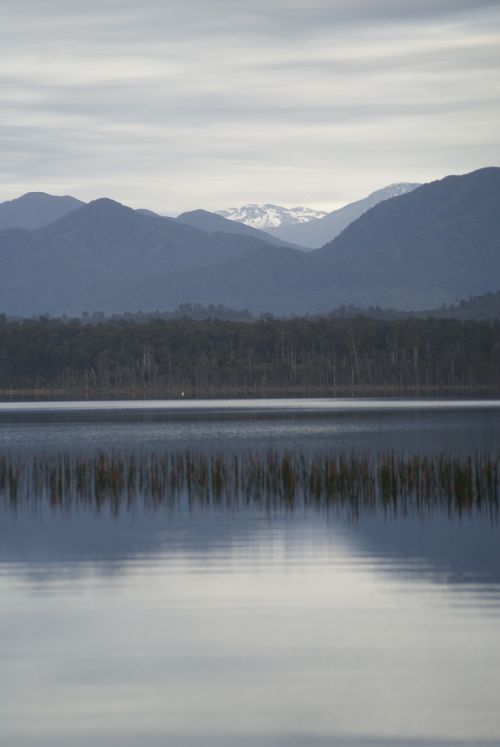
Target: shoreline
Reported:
[(237, 393)]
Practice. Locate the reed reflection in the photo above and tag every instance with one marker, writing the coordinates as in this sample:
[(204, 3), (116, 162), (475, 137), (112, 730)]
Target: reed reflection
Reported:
[(393, 483)]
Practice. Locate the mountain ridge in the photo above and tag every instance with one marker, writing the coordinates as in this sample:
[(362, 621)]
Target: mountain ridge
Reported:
[(427, 247), (315, 234), (93, 254), (216, 223), (441, 240), (33, 210)]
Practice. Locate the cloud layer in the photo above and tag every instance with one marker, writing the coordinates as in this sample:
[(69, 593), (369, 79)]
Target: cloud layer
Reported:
[(209, 103)]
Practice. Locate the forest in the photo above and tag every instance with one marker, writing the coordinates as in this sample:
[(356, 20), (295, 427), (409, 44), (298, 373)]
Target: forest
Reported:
[(63, 358)]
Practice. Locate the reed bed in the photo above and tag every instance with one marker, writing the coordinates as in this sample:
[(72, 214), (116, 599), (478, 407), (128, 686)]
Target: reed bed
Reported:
[(393, 482)]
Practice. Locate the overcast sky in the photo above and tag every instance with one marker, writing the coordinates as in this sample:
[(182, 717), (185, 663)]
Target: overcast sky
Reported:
[(179, 104)]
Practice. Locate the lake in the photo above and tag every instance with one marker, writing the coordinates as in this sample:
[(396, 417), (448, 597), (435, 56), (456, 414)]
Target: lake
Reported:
[(213, 614)]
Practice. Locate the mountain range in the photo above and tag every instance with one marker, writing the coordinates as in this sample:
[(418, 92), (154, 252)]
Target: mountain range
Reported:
[(91, 257), (271, 223), (429, 246)]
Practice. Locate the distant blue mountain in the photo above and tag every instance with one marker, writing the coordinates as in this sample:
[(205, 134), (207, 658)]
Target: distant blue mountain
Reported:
[(213, 223), (35, 209), (433, 245), (315, 233), (91, 258), (439, 243)]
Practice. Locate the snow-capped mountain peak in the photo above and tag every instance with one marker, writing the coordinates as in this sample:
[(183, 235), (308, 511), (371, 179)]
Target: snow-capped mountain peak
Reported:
[(270, 216)]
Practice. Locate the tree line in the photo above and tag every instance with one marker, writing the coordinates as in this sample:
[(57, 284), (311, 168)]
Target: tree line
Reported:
[(211, 357)]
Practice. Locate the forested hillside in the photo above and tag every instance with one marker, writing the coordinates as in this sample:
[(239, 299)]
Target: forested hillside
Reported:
[(217, 358)]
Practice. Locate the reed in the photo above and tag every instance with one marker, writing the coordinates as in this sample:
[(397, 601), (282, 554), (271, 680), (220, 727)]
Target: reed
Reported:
[(393, 482)]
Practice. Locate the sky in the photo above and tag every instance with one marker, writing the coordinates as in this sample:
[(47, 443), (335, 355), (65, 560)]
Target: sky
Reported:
[(181, 104)]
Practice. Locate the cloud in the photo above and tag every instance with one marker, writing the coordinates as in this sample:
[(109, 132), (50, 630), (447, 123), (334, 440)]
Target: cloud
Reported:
[(177, 105)]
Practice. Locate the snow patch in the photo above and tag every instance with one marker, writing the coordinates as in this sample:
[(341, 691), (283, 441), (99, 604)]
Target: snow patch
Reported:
[(270, 216)]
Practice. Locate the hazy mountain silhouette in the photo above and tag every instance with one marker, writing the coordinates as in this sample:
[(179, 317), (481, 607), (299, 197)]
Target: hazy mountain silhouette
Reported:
[(436, 244), (214, 223), (91, 257), (106, 233), (315, 233), (430, 246), (433, 245), (35, 209)]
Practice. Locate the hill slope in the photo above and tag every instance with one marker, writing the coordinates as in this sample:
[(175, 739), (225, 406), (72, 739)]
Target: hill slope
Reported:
[(315, 233), (215, 223), (266, 279), (438, 243)]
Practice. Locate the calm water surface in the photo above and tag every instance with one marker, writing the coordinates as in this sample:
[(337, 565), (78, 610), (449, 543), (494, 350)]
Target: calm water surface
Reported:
[(244, 627), (308, 424)]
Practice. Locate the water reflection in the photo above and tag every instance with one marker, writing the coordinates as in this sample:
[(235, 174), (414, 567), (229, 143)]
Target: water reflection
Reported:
[(248, 629), (231, 624), (394, 483)]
